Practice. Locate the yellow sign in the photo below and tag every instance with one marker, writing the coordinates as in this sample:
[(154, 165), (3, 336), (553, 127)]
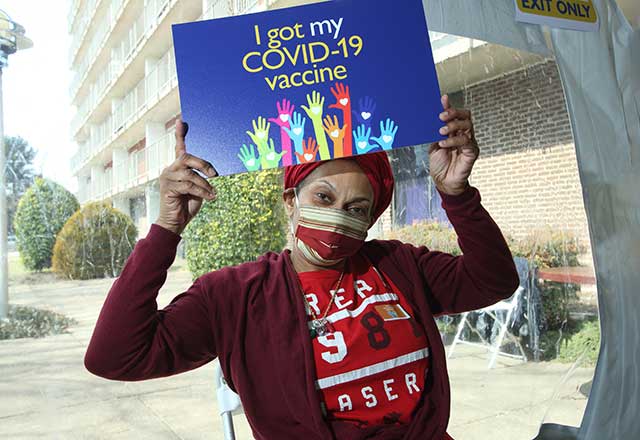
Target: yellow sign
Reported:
[(571, 14)]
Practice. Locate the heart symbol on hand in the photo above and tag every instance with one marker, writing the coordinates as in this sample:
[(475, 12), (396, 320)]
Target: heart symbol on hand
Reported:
[(297, 131), (366, 115), (344, 101), (315, 110), (362, 145), (251, 162), (387, 139), (271, 156), (308, 157), (261, 134), (284, 118), (335, 133)]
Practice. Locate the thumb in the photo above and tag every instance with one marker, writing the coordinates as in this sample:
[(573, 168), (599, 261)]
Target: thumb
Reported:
[(181, 132)]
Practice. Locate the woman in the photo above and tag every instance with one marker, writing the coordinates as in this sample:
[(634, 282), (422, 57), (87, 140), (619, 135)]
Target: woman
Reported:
[(334, 339)]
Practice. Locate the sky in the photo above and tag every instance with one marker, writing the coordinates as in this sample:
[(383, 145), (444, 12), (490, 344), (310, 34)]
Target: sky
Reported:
[(35, 87)]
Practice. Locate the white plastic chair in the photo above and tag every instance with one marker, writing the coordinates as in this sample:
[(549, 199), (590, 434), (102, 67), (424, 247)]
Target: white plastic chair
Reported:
[(509, 306), (228, 404)]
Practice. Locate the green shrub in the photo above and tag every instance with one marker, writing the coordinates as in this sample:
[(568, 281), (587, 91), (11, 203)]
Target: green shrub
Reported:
[(246, 220), (577, 339), (586, 340), (30, 322), (94, 243), (432, 234), (42, 211)]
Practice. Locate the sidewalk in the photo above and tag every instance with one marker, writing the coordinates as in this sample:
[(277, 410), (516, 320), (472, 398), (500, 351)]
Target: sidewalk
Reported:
[(47, 393)]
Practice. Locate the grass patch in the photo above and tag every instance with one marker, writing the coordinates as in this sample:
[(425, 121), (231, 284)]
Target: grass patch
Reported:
[(17, 270)]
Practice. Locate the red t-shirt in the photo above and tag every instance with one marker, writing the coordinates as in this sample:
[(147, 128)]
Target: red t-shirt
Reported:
[(371, 369)]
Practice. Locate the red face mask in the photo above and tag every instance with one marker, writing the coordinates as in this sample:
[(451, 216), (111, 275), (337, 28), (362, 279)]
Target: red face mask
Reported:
[(325, 236)]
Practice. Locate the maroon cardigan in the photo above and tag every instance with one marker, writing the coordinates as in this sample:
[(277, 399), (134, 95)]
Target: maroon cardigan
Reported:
[(252, 318)]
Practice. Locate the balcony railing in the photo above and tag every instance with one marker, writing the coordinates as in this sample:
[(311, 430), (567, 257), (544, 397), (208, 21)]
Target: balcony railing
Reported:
[(130, 108), (97, 42), (225, 8), (144, 95), (216, 9), (88, 12), (137, 168), (155, 9), (147, 164), (102, 187), (122, 55), (73, 13), (243, 6)]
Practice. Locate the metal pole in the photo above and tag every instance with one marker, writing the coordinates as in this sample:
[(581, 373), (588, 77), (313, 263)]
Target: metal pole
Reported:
[(4, 268)]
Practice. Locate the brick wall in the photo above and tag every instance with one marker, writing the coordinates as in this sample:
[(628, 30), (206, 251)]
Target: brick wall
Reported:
[(527, 172)]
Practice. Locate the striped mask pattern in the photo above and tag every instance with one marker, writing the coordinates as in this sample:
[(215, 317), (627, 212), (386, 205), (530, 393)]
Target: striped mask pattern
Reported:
[(325, 236)]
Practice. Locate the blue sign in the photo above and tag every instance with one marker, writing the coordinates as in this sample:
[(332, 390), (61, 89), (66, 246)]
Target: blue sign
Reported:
[(308, 83)]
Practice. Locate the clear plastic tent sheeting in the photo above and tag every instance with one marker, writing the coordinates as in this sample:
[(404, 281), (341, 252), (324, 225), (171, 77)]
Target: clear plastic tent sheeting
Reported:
[(600, 74)]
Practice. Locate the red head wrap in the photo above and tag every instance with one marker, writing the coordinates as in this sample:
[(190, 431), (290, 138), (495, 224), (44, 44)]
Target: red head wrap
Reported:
[(374, 165)]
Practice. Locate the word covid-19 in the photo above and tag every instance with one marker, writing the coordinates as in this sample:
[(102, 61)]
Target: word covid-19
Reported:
[(310, 54)]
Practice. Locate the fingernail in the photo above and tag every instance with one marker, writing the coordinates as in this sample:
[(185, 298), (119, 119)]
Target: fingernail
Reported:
[(444, 130), (443, 115), (441, 143)]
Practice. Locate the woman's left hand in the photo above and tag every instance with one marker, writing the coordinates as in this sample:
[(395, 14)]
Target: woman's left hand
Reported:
[(451, 160)]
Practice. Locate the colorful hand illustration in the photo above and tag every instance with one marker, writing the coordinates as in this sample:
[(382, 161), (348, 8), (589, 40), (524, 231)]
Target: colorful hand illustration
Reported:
[(316, 104), (268, 156), (310, 150), (336, 134), (343, 102), (367, 108), (296, 132), (248, 158), (361, 139), (314, 111), (387, 134), (260, 134), (285, 110), (343, 99)]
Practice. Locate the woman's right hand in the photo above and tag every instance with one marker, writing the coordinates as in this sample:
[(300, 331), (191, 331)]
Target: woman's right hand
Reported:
[(182, 190)]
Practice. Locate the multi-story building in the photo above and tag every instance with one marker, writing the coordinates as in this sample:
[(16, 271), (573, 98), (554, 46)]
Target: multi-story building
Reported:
[(126, 96), (125, 92)]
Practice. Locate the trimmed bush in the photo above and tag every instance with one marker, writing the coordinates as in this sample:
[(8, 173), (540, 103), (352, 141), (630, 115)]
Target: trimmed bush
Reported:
[(246, 220), (94, 243), (42, 211), (434, 235)]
